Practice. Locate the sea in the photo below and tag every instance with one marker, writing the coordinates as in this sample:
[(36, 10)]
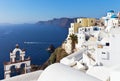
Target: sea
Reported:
[(34, 38)]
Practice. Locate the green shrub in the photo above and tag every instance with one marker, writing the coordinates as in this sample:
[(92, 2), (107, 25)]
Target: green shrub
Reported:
[(57, 55)]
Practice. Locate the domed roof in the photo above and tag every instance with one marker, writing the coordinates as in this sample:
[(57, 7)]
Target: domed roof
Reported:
[(60, 72), (114, 16), (111, 11)]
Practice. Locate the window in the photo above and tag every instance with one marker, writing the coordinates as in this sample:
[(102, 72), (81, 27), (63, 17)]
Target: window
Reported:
[(88, 29), (91, 21), (107, 44), (96, 29), (85, 30), (99, 38), (113, 24), (10, 59), (103, 53)]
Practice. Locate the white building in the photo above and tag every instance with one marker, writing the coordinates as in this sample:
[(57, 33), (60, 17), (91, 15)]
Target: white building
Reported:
[(81, 33), (81, 38), (111, 19), (109, 53), (84, 33), (67, 45)]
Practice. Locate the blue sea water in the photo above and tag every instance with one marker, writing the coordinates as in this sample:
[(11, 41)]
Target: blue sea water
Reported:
[(34, 38)]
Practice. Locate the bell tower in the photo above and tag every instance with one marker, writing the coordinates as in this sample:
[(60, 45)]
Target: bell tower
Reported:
[(16, 62)]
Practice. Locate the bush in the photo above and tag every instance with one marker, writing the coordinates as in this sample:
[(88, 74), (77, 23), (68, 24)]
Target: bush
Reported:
[(57, 55)]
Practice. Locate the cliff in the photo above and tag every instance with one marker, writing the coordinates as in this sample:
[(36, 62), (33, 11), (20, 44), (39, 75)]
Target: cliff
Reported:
[(60, 22), (55, 57)]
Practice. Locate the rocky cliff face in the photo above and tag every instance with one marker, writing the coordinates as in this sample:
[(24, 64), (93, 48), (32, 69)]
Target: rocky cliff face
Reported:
[(55, 57), (61, 22)]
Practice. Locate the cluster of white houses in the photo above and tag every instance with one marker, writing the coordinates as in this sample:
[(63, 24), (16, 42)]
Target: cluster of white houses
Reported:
[(100, 54), (96, 55), (88, 27)]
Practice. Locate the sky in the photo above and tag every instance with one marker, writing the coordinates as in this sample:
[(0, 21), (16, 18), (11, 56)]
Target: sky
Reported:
[(31, 11)]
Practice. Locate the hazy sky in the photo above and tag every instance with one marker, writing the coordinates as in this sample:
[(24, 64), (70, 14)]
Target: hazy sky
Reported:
[(30, 11)]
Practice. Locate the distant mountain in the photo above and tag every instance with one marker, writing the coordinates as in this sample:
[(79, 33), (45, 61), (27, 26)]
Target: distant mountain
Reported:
[(61, 22)]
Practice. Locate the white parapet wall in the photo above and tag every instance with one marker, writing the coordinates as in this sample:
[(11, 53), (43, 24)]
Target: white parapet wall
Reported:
[(33, 76), (115, 76), (115, 73), (73, 58)]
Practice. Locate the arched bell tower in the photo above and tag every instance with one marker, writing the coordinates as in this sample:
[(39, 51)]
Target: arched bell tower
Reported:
[(14, 52), (16, 63)]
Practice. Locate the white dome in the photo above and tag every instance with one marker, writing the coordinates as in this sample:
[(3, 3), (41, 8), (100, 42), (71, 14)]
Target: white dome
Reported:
[(60, 72)]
